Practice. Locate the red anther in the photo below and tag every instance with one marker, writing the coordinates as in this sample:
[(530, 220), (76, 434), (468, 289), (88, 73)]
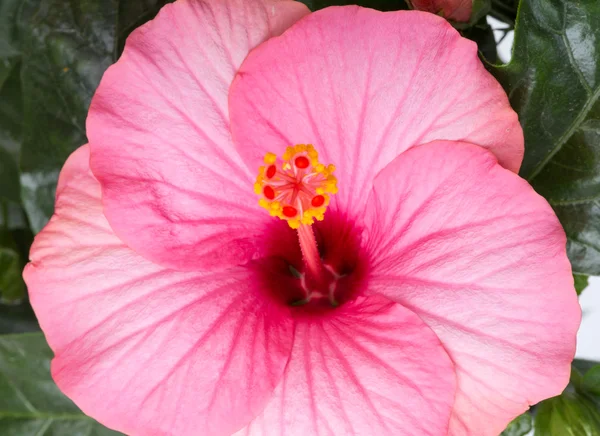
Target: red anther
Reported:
[(317, 201), (271, 171), (289, 211), (269, 192), (301, 162)]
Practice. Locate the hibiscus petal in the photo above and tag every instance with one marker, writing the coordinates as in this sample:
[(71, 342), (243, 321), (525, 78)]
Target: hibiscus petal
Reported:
[(372, 368), (481, 259), (143, 349), (364, 86), (174, 188)]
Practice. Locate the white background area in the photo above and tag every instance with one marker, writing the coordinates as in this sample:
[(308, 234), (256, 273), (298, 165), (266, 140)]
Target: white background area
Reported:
[(588, 338)]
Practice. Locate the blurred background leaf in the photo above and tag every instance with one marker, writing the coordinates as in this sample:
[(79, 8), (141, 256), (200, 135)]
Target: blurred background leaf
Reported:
[(591, 380), (568, 414), (9, 48), (17, 318), (10, 105), (581, 282), (30, 402), (9, 178), (12, 288), (16, 314)]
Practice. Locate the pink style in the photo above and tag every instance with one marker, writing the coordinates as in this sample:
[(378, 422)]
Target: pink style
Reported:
[(415, 285)]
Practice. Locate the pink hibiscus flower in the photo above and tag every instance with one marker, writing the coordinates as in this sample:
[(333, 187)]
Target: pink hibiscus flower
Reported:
[(432, 295), (455, 10)]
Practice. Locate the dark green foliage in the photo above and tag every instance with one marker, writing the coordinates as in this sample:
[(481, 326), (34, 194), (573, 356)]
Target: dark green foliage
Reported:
[(30, 402)]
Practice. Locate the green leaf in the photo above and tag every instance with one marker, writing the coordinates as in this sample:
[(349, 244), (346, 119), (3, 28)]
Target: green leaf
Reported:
[(30, 402), (17, 318), (553, 82), (14, 248), (9, 47), (569, 414), (9, 178), (12, 287), (10, 103), (581, 282), (519, 426), (591, 380), (582, 366), (11, 112)]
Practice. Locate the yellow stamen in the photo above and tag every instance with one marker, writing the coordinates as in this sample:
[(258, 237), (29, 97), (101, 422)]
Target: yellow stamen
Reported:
[(270, 158), (296, 187)]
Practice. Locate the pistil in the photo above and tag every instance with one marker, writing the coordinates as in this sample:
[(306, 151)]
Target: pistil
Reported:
[(310, 252), (297, 189)]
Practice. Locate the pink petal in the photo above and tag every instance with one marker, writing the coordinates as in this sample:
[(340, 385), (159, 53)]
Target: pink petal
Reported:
[(372, 368), (174, 188), (364, 86), (481, 259), (455, 10), (143, 349)]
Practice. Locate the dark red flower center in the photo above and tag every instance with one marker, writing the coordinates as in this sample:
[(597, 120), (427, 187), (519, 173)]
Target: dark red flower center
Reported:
[(287, 279)]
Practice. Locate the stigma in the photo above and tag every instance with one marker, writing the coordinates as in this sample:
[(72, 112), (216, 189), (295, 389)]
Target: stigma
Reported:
[(297, 187)]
